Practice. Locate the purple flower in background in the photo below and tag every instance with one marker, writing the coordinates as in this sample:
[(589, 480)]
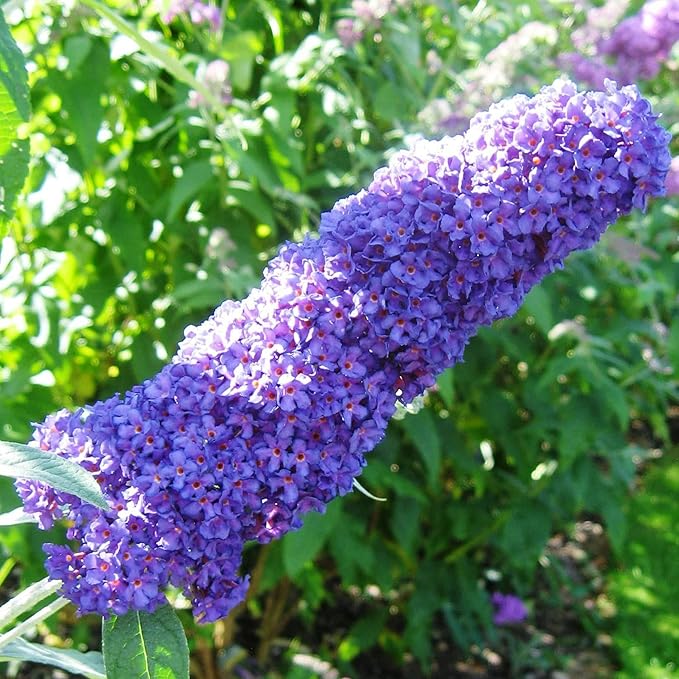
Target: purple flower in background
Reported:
[(672, 180), (509, 609), (641, 43), (348, 32), (634, 49), (433, 62), (368, 15), (268, 408), (592, 70), (197, 11), (215, 76), (371, 12), (599, 23)]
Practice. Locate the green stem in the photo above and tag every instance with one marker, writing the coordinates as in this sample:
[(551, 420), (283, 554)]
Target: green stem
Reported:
[(273, 19), (324, 16)]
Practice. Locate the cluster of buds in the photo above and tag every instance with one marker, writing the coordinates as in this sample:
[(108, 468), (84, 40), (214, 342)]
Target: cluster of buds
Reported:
[(268, 408)]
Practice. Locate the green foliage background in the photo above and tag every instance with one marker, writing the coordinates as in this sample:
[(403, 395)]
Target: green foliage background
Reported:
[(140, 214)]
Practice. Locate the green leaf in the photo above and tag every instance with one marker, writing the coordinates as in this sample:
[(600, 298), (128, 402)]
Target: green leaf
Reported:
[(377, 475), (578, 426), (90, 664), (446, 388), (197, 294), (539, 305), (524, 535), (81, 91), (25, 462), (363, 635), (240, 51), (405, 523), (252, 200), (257, 163), (15, 517), (468, 613), (14, 110), (145, 361), (615, 400), (195, 177), (76, 49), (13, 79), (390, 104), (273, 17), (26, 599), (407, 38), (130, 237), (142, 645), (303, 545), (425, 601), (611, 508), (421, 430), (673, 345)]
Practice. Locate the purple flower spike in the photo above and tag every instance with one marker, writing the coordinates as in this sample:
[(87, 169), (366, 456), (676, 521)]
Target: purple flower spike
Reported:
[(509, 609), (268, 407)]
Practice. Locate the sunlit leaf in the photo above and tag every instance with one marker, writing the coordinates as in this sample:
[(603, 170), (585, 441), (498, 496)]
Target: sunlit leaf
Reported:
[(14, 110), (25, 462), (142, 645), (90, 664)]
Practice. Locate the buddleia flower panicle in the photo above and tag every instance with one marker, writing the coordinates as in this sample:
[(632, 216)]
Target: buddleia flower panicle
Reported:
[(268, 408)]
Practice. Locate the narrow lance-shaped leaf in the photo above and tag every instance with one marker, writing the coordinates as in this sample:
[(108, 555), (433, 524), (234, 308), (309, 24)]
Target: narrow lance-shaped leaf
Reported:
[(24, 462), (89, 664), (27, 626), (14, 110), (145, 646), (15, 517), (27, 599)]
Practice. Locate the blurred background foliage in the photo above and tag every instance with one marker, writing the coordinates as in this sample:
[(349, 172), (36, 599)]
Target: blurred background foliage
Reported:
[(149, 201)]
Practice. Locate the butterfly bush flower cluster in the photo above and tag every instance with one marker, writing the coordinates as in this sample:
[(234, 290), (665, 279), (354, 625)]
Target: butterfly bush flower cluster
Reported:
[(634, 50), (268, 408)]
